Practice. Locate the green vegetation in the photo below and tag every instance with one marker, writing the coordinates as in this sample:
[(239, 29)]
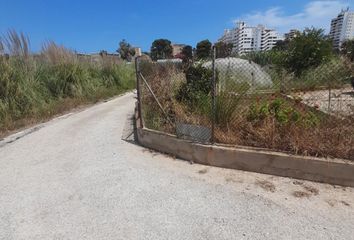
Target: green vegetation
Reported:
[(197, 84), (187, 53), (203, 50), (161, 49), (36, 87), (283, 112), (125, 50), (348, 49), (309, 49), (306, 62), (223, 50), (296, 100)]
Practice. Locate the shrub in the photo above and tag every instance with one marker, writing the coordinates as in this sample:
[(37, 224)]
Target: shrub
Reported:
[(307, 50), (283, 112), (226, 106), (198, 84), (347, 49), (272, 57), (333, 73)]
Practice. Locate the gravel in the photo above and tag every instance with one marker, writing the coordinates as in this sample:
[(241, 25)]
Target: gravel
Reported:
[(338, 102)]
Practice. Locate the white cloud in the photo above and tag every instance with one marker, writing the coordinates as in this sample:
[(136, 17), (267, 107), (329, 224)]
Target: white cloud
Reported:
[(315, 13)]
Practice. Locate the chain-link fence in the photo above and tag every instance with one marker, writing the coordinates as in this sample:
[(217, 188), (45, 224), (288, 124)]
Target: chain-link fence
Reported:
[(251, 101)]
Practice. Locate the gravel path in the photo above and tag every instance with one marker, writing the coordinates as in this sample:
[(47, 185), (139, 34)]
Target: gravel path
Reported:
[(75, 178), (341, 101)]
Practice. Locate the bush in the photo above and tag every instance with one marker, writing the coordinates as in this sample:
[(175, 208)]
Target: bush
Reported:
[(226, 106), (347, 49), (307, 50), (283, 112), (198, 84), (333, 73), (272, 57)]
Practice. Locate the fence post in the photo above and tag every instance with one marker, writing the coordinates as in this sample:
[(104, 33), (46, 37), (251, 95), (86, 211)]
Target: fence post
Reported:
[(282, 91), (213, 96), (138, 90), (329, 98)]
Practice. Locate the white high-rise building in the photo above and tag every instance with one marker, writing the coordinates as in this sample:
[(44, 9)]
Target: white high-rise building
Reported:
[(342, 28), (293, 33), (248, 39)]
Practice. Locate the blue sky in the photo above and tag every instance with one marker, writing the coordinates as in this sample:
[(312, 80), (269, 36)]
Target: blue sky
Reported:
[(91, 26)]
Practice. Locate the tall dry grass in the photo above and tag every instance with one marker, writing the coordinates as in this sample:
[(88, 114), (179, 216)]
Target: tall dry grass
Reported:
[(34, 87), (291, 127)]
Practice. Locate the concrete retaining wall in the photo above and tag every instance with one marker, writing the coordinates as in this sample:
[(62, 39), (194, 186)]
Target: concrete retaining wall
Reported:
[(334, 171)]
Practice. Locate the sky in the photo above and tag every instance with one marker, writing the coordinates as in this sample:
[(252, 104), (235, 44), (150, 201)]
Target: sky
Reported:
[(90, 26)]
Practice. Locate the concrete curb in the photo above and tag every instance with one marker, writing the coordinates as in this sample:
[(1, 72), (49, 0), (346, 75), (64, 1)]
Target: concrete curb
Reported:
[(333, 171)]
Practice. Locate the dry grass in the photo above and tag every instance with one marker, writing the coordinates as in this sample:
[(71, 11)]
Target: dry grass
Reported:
[(61, 107), (56, 54), (333, 138), (315, 134), (15, 44), (162, 79), (36, 87), (326, 136)]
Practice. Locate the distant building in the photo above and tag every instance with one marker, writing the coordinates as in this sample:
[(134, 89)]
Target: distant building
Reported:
[(170, 60), (342, 28), (137, 51), (98, 57), (177, 48), (291, 34), (249, 39), (228, 36)]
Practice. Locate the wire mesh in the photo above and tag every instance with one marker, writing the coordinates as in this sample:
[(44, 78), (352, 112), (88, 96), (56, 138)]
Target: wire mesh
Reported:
[(251, 101), (168, 101), (261, 104)]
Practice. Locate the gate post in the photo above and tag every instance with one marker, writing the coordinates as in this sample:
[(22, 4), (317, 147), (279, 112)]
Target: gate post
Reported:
[(138, 90), (213, 94)]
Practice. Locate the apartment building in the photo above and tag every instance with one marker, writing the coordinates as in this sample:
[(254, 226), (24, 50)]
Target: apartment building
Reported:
[(342, 28), (248, 39), (291, 34)]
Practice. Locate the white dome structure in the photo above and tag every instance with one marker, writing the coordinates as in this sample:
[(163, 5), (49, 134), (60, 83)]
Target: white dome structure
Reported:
[(237, 72)]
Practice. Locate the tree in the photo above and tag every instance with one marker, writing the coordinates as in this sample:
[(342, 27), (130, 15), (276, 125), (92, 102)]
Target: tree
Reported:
[(125, 50), (223, 50), (203, 50), (103, 53), (282, 45), (309, 49), (161, 49), (347, 49), (187, 52)]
